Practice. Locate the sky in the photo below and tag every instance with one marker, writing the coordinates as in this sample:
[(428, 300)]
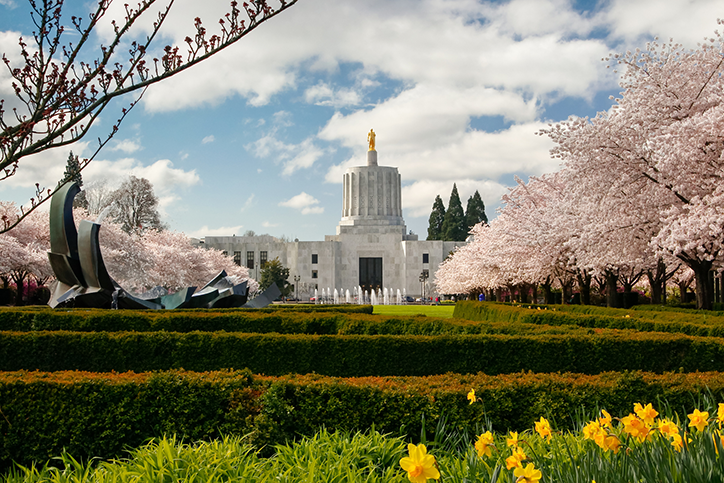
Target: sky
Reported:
[(259, 136)]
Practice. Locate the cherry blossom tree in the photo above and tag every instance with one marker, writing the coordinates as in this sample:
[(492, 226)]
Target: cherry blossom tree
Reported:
[(61, 88), (659, 150)]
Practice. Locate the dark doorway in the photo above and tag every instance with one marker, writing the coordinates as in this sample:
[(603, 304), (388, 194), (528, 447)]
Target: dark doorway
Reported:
[(370, 273)]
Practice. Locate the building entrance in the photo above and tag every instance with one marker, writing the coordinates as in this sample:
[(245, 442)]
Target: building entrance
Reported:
[(370, 273)]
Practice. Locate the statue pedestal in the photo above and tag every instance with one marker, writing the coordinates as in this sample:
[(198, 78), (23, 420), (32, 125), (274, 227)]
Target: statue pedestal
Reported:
[(372, 158)]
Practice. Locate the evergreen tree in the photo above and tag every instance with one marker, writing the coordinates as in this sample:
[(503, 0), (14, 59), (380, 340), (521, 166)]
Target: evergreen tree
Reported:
[(453, 225), (72, 173), (275, 272), (475, 211), (434, 230)]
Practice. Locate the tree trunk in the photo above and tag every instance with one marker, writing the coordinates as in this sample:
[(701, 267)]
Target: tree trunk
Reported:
[(611, 289), (704, 289), (535, 293), (567, 289), (657, 282), (584, 286), (547, 292)]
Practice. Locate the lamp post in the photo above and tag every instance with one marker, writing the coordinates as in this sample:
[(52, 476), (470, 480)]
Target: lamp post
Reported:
[(423, 278), (297, 278)]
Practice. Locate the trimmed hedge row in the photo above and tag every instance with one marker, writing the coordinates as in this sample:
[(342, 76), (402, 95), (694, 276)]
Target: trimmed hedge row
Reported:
[(282, 322), (103, 414), (358, 355), (594, 317)]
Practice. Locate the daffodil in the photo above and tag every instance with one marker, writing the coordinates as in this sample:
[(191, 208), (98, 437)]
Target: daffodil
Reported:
[(698, 419), (646, 413), (677, 442), (720, 415), (606, 419), (667, 427), (528, 474), (513, 439), (515, 460), (592, 429), (635, 427), (471, 396), (420, 466), (543, 427), (485, 444)]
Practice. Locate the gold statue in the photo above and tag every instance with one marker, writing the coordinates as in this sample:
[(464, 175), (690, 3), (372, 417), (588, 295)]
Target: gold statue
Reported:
[(371, 139)]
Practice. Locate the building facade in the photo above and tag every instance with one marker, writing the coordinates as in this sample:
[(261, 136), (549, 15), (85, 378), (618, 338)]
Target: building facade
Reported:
[(371, 248)]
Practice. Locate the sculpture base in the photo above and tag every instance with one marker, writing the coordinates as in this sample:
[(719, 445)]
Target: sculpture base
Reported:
[(372, 158)]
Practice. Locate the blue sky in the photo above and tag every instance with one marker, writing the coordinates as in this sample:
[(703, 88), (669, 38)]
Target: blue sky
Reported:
[(258, 137)]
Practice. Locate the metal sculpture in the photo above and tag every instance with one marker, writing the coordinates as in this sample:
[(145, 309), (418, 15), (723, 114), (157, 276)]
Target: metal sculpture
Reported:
[(83, 281)]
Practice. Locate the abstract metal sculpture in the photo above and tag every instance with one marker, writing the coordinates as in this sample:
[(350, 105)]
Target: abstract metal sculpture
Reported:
[(83, 280)]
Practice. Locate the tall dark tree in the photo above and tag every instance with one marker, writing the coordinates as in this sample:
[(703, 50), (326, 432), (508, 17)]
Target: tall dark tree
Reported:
[(475, 211), (275, 272), (72, 173), (135, 206), (453, 226), (434, 229)]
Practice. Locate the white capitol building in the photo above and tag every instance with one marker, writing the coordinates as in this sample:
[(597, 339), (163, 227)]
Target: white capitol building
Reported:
[(371, 249)]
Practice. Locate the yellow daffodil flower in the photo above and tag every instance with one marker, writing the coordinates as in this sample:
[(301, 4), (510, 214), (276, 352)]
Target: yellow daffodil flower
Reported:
[(515, 460), (610, 443), (606, 419), (513, 439), (471, 396), (543, 427), (592, 429), (419, 465), (698, 419), (677, 442), (667, 427), (720, 415), (646, 413), (528, 474), (635, 427), (485, 444)]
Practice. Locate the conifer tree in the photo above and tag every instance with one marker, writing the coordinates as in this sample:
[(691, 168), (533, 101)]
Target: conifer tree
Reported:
[(434, 229), (453, 226), (72, 173), (475, 211)]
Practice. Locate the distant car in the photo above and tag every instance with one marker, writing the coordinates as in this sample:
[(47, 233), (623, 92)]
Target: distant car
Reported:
[(312, 299), (408, 299)]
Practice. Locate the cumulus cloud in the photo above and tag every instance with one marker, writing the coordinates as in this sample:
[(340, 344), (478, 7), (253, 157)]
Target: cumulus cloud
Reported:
[(305, 203), (220, 231), (126, 145), (323, 94), (293, 156), (208, 139)]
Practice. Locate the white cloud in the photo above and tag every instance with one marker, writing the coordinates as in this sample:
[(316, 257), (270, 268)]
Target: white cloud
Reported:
[(467, 154), (292, 156), (248, 203), (126, 145), (220, 231), (687, 21), (323, 94), (208, 139), (267, 224), (305, 203)]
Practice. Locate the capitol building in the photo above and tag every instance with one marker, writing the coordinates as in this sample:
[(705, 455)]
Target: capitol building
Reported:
[(371, 248)]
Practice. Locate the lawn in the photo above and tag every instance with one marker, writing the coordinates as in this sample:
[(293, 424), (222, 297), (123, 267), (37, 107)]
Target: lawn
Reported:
[(429, 310)]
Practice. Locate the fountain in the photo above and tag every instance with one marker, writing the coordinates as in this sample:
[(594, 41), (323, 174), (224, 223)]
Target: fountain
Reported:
[(399, 297), (336, 297), (316, 296), (373, 297), (386, 299), (347, 298)]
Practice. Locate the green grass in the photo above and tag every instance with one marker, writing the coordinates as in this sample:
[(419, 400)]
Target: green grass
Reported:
[(428, 310)]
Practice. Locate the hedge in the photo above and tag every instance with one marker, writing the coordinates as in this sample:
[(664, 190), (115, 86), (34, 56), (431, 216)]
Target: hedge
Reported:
[(279, 321), (103, 414), (588, 316), (358, 355)]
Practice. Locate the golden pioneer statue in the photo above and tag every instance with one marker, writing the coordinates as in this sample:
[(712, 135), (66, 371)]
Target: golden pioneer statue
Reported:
[(371, 139)]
